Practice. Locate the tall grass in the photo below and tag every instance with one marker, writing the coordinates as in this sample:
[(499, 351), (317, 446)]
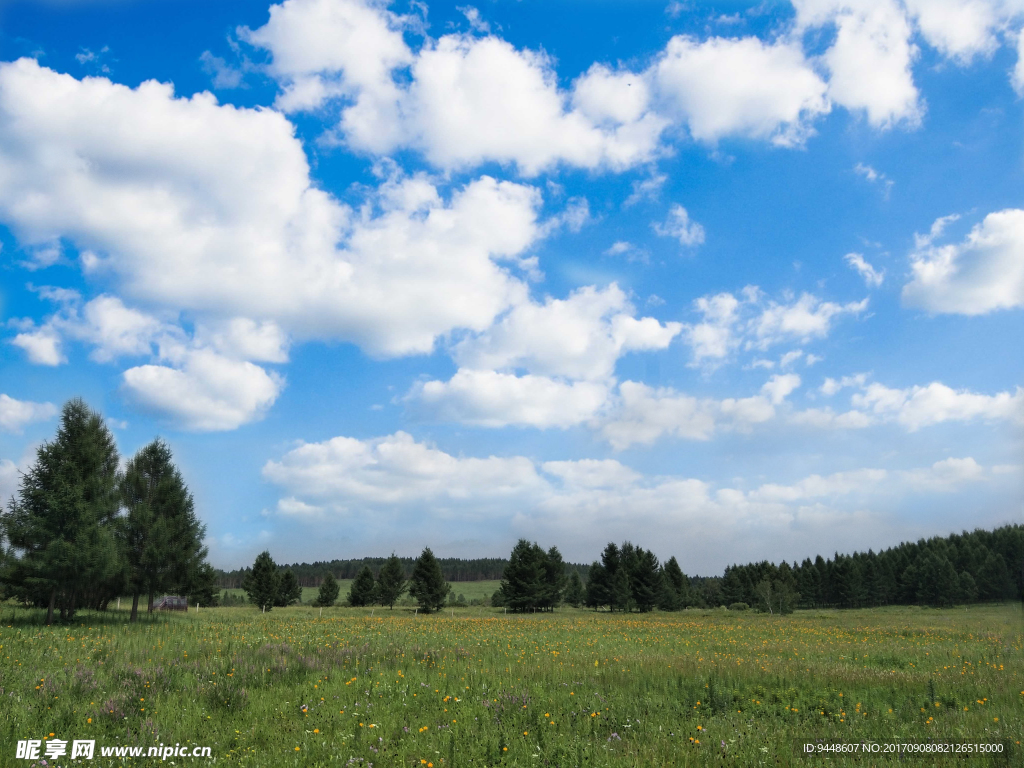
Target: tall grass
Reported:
[(572, 688)]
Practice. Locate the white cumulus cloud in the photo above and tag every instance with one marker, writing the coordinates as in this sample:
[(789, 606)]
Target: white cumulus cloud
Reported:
[(493, 399), (16, 414), (869, 63), (193, 206), (345, 473), (466, 99), (922, 406), (740, 87), (206, 392), (981, 274), (580, 337)]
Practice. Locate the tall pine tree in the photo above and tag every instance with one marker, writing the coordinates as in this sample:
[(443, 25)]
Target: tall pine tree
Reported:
[(160, 535), (427, 584), (262, 582), (61, 523), (523, 585), (363, 589), (391, 582)]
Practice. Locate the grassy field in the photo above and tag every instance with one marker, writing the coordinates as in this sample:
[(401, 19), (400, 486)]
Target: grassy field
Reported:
[(572, 688), (469, 589)]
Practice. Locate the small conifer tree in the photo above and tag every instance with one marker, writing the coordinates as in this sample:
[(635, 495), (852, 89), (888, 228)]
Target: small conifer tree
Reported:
[(261, 583), (288, 591), (328, 593), (391, 581), (427, 584), (363, 589)]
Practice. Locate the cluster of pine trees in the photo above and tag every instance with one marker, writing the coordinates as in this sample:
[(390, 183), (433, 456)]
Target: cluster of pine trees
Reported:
[(80, 532), (533, 579), (631, 578), (962, 568), (389, 584), (267, 585), (626, 578)]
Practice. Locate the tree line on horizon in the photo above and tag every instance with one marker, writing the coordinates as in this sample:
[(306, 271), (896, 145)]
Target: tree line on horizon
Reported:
[(80, 532), (969, 567), (961, 568), (453, 568)]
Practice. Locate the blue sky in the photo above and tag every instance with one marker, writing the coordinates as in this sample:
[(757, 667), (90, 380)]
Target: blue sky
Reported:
[(733, 281)]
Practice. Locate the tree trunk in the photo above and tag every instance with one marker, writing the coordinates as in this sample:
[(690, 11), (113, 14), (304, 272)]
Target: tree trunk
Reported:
[(135, 607), (49, 610), (152, 599)]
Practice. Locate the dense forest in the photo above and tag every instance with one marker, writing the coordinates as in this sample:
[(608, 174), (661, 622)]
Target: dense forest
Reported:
[(958, 569)]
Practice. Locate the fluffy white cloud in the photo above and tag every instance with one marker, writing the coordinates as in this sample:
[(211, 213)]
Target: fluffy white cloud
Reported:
[(806, 318), (206, 392), (740, 87), (568, 349), (209, 209), (466, 99), (493, 399), (112, 329), (579, 337), (643, 414), (246, 339), (679, 226), (869, 63), (872, 277), (714, 337), (983, 273), (324, 49), (916, 407), (344, 473), (117, 330), (472, 100), (960, 29), (947, 474), (42, 345), (15, 414), (753, 321), (830, 386), (779, 387)]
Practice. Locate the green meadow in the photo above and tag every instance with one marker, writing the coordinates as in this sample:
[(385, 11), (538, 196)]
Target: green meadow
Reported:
[(474, 687)]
